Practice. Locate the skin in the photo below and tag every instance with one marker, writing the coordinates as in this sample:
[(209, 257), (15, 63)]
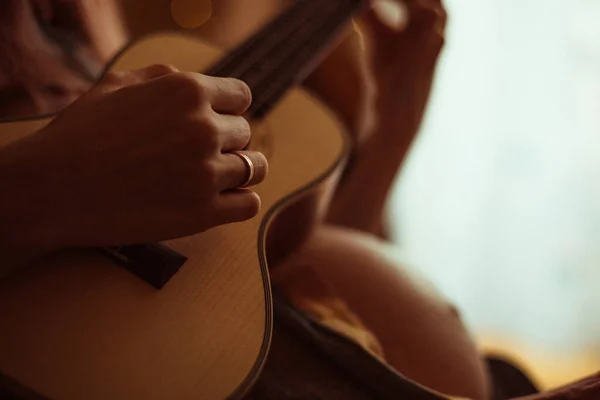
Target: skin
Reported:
[(380, 95), (384, 111), (196, 123)]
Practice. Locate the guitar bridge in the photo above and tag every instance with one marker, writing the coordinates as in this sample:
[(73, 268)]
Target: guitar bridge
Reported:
[(155, 264)]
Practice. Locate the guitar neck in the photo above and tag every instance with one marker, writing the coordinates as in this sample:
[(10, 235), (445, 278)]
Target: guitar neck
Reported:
[(284, 52), (271, 61)]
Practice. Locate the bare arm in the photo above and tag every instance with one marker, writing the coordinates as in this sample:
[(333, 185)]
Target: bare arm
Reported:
[(421, 333), (397, 77), (66, 185)]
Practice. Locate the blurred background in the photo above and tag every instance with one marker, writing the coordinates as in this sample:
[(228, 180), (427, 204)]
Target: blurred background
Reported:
[(499, 203)]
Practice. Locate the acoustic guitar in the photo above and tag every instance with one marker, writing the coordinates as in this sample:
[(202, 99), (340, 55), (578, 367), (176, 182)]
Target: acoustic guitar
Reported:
[(189, 318)]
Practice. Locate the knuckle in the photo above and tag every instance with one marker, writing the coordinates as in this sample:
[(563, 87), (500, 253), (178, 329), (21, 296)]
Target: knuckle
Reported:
[(441, 27), (201, 135), (113, 78), (245, 129), (250, 206), (441, 16), (190, 91), (208, 174), (432, 13), (208, 131), (441, 43), (208, 123), (211, 142), (443, 13), (162, 69)]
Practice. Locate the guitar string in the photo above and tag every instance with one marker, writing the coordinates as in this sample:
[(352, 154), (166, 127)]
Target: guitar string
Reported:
[(307, 22), (295, 69), (235, 58), (259, 57), (262, 69), (222, 67)]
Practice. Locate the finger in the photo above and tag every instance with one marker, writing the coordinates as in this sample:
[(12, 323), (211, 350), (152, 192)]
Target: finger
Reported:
[(238, 205), (441, 18), (435, 3), (120, 79), (428, 14), (426, 25), (385, 24), (154, 71), (227, 95), (236, 132), (387, 16), (435, 11), (430, 24), (234, 170)]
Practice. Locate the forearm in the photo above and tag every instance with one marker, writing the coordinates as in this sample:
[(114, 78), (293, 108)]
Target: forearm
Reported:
[(361, 197)]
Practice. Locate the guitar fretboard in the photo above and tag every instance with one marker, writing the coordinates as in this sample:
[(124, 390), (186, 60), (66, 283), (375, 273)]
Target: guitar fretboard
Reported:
[(286, 50)]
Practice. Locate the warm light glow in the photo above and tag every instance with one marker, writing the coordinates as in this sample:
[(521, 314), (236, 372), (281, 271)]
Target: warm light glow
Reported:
[(191, 14)]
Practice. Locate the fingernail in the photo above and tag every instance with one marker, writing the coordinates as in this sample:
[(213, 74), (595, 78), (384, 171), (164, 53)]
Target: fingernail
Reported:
[(393, 14)]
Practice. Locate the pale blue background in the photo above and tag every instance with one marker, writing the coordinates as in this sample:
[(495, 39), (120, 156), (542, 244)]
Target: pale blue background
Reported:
[(500, 199)]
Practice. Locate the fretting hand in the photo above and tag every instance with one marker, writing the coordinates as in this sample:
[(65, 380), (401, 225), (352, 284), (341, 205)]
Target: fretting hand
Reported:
[(397, 74), (403, 58)]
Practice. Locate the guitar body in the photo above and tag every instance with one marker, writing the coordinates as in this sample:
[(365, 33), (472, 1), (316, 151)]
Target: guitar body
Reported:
[(77, 326)]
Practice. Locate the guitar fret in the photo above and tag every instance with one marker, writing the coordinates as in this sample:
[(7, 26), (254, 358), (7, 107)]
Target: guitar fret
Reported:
[(273, 43), (223, 67), (264, 67), (283, 53), (294, 69)]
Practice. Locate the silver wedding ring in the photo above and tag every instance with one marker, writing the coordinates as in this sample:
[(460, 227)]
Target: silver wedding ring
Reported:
[(250, 166)]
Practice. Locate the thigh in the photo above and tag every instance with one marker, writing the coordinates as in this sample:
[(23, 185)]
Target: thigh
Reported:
[(421, 333)]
